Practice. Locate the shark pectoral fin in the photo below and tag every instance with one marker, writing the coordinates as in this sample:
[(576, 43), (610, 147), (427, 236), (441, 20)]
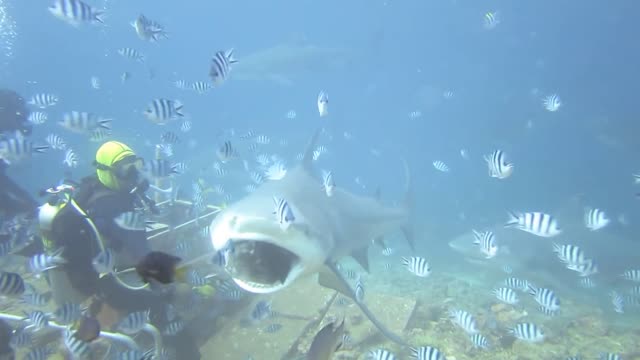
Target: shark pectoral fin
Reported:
[(362, 257), (328, 279), (339, 283)]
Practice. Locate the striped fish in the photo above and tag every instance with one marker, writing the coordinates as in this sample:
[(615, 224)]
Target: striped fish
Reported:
[(79, 349), (161, 111), (43, 262), (67, 313), (43, 100), (134, 322), (465, 320), (595, 219), (17, 148), (499, 168), (479, 341), (441, 166), (201, 87), (506, 295), (527, 332), (283, 213), (323, 104), (261, 311), (82, 122), (491, 20), (56, 142), (131, 53), (546, 298), (38, 319), (632, 275), (380, 354), (552, 102), (76, 12), (70, 158), (37, 117), (427, 353), (104, 263), (221, 66), (226, 152), (518, 284), (328, 183), (161, 169), (417, 265), (487, 242), (618, 302), (11, 284), (536, 223)]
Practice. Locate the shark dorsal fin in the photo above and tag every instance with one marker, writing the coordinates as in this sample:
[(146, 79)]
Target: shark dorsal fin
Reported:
[(362, 257), (307, 158)]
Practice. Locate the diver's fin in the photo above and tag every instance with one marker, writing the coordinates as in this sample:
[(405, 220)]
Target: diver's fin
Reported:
[(339, 282), (362, 257), (307, 159)]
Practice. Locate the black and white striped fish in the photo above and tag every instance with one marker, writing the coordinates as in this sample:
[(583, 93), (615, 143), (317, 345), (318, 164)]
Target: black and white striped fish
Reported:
[(552, 102), (283, 212), (185, 126), (56, 142), (169, 137), (148, 30), (479, 341), (17, 148), (506, 295), (587, 283), (518, 284), (486, 240), (617, 301), (133, 220), (263, 140), (43, 100), (83, 122), (79, 349), (161, 169), (528, 332), (226, 152), (161, 111), (131, 53), (545, 297), (43, 262), (201, 87), (40, 353), (548, 312), (569, 254), (595, 219), (441, 166), (67, 313), (536, 223), (632, 275), (100, 135), (417, 265), (11, 284), (491, 20), (426, 353), (465, 320), (37, 299), (328, 183), (499, 168), (221, 66), (37, 117), (610, 356), (261, 311), (70, 158), (38, 319), (76, 12), (95, 83), (380, 354), (587, 268), (134, 322)]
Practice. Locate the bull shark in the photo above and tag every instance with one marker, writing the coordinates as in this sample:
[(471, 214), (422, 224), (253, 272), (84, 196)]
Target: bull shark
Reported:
[(265, 258)]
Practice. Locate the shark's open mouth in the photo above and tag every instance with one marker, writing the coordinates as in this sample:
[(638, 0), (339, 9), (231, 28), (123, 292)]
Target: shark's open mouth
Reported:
[(260, 266)]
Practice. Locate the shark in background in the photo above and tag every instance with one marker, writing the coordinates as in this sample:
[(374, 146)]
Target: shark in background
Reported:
[(284, 63), (263, 257)]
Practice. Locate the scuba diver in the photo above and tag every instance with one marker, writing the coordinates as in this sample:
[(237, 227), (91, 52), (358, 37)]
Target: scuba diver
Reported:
[(84, 225), (13, 118)]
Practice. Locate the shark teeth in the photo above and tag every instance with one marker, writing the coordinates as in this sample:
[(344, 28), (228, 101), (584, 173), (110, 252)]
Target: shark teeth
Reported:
[(260, 264)]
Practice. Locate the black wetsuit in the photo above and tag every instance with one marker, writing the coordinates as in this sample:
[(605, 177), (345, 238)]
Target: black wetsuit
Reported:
[(70, 229)]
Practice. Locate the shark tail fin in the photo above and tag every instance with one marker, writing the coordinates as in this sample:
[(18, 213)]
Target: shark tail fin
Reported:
[(307, 158), (407, 230)]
